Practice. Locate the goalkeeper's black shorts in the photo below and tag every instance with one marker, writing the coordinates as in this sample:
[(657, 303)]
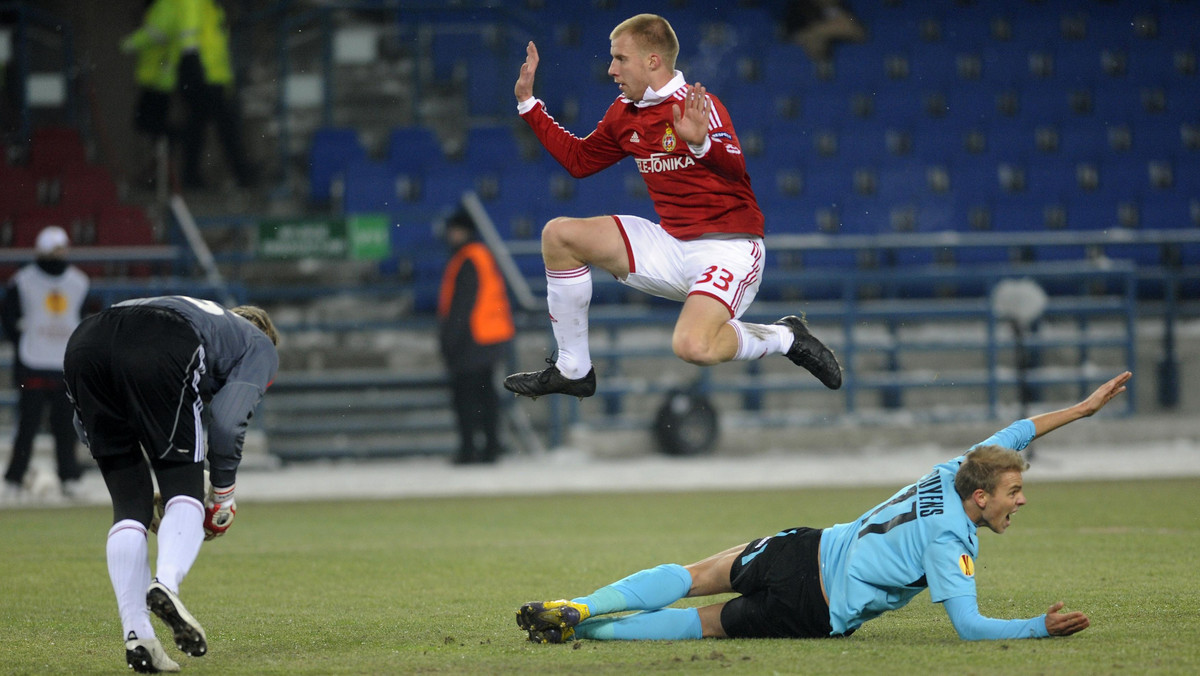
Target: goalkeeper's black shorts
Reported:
[(136, 376)]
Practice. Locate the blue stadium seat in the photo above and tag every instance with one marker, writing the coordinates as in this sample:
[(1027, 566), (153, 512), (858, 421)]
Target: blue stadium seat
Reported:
[(788, 144), (787, 64), (1083, 141), (1052, 177), (607, 193), (523, 204), (412, 150), (934, 65), (900, 30), (442, 188), (1005, 62), (1077, 64), (1117, 102), (1036, 29), (1096, 212), (940, 213), (1010, 140), (966, 28), (332, 149), (1044, 101), (899, 103), (860, 66), (863, 216), (491, 149), (974, 181), (1011, 214), (1125, 176), (1183, 101), (824, 106), (903, 182), (972, 102), (1187, 174), (862, 141), (939, 143), (1157, 138), (1170, 212), (370, 187)]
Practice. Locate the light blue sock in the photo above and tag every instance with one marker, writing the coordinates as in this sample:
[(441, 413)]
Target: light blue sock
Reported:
[(665, 624), (648, 589)]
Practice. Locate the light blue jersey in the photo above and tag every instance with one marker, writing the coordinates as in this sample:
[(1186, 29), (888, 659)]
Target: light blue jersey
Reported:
[(920, 537)]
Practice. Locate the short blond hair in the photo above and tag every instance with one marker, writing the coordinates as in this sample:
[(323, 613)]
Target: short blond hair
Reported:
[(258, 317), (652, 34), (983, 467)]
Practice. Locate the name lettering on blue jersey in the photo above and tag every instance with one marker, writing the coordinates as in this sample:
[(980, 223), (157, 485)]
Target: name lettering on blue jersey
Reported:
[(928, 502), (929, 495)]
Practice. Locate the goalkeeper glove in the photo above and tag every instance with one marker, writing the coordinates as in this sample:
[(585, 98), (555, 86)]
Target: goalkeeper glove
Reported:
[(219, 510)]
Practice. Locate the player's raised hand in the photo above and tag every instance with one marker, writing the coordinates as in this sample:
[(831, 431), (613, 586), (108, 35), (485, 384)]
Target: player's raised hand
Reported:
[(691, 123), (524, 87), (1104, 394), (1065, 624)]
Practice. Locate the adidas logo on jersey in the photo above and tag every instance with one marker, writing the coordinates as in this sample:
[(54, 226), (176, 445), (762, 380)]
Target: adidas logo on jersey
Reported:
[(634, 138)]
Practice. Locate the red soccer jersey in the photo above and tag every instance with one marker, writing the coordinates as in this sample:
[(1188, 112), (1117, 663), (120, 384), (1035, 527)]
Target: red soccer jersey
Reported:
[(693, 196)]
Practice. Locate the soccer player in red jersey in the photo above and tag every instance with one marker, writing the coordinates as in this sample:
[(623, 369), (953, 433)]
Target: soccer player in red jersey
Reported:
[(707, 248)]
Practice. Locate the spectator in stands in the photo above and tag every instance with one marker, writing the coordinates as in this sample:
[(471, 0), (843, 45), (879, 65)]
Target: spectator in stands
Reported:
[(475, 332), (707, 251), (219, 105), (184, 45), (124, 368), (155, 71), (818, 25), (42, 306), (825, 583)]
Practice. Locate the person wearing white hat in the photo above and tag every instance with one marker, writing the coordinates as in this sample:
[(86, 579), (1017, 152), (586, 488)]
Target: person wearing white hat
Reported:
[(42, 306)]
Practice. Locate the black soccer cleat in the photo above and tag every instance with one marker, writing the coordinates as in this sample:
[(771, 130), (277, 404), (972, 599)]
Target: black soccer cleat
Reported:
[(551, 635), (550, 381), (146, 655), (811, 354), (189, 635)]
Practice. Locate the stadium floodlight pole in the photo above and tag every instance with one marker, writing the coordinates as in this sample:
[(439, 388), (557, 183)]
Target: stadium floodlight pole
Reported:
[(203, 254), (512, 274)]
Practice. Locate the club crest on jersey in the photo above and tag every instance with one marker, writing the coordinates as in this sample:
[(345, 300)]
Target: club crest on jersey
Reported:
[(966, 565), (668, 140)]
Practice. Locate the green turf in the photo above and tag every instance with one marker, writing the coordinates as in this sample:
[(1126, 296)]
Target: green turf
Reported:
[(430, 586)]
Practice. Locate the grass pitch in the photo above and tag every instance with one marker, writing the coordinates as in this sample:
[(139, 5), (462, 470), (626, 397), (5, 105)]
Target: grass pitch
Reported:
[(430, 586)]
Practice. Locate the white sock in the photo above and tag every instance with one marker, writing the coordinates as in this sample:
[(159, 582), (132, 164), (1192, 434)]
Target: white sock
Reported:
[(568, 295), (129, 570), (756, 341), (179, 538)]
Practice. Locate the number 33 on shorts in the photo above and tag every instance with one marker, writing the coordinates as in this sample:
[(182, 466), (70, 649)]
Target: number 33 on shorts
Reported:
[(718, 277)]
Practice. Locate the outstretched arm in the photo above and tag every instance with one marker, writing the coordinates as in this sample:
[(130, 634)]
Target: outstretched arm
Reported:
[(971, 626), (1048, 422)]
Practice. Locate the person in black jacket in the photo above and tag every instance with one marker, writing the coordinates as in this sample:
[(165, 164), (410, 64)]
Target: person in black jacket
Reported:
[(475, 331)]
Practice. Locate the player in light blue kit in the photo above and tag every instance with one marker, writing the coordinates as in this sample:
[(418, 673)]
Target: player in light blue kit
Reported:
[(811, 583)]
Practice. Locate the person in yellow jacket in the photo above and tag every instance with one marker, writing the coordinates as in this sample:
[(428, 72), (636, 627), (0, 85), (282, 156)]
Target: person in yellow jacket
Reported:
[(475, 332), (156, 68), (220, 102), (183, 45)]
